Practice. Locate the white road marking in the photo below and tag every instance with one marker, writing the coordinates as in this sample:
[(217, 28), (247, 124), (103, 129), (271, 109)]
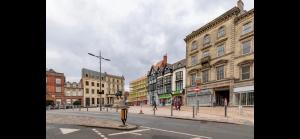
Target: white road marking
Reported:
[(100, 134), (135, 133), (177, 132), (129, 132), (67, 130)]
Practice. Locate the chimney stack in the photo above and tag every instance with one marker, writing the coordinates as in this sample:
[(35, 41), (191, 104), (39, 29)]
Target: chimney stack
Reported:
[(165, 60), (240, 5)]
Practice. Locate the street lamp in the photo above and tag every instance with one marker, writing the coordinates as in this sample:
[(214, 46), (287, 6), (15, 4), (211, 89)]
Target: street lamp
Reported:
[(100, 58)]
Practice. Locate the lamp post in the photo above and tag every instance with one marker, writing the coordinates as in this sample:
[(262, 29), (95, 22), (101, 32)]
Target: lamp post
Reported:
[(100, 91)]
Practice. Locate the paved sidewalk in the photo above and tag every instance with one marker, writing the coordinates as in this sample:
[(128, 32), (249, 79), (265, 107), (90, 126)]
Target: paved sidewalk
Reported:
[(86, 121), (214, 114), (217, 114)]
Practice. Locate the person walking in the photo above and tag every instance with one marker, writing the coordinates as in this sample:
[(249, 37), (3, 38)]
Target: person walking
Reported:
[(179, 105), (154, 105)]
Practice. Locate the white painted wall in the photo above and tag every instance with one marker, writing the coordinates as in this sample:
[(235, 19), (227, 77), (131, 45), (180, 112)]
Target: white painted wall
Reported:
[(174, 78)]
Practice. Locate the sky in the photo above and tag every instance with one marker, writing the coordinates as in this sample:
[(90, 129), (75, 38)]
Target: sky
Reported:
[(133, 34)]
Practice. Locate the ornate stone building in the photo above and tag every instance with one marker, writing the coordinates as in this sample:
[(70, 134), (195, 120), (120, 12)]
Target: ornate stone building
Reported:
[(220, 58), (110, 85)]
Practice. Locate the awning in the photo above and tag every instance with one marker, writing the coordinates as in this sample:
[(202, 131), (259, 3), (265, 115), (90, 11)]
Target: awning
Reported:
[(243, 89), (204, 92), (165, 96), (176, 92), (191, 94)]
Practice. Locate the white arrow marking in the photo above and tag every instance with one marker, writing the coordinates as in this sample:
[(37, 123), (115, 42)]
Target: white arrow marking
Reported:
[(67, 130)]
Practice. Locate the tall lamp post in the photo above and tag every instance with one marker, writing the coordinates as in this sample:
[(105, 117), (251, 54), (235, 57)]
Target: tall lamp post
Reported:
[(100, 91)]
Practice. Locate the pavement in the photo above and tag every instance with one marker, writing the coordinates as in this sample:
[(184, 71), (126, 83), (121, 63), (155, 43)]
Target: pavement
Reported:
[(212, 114), (148, 127), (87, 121)]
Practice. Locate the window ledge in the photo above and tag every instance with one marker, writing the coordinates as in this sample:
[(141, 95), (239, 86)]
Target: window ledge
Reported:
[(194, 51), (243, 55), (246, 35), (205, 46), (221, 39)]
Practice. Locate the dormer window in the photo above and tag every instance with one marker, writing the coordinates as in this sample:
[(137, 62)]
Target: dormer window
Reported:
[(221, 32), (206, 39), (86, 75), (194, 45)]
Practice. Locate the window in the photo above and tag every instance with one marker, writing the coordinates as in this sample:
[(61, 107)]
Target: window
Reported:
[(220, 73), (86, 75), (93, 84), (247, 98), (87, 83), (86, 91), (102, 78), (102, 85), (245, 70), (205, 54), (206, 39), (194, 60), (194, 45), (179, 75), (221, 32), (247, 28), (68, 93), (193, 79), (221, 50), (246, 47), (93, 91), (97, 84), (58, 81), (205, 76), (58, 89), (98, 91), (179, 85), (93, 100), (117, 81)]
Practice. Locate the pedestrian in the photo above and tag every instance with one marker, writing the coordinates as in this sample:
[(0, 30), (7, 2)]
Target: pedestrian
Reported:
[(179, 105), (175, 104), (154, 105)]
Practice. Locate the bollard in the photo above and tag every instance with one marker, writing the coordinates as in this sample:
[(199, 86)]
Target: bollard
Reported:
[(193, 111), (225, 110), (65, 107), (80, 108), (171, 110), (73, 107), (197, 107), (106, 109), (87, 108)]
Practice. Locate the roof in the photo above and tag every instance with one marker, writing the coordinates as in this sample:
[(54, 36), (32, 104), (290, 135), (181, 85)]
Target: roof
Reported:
[(227, 14), (51, 71), (181, 62), (95, 74)]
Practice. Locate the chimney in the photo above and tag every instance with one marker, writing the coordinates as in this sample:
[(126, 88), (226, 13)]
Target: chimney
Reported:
[(165, 60), (240, 5)]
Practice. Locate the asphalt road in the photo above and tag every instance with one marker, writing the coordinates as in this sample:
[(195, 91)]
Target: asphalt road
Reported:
[(150, 127)]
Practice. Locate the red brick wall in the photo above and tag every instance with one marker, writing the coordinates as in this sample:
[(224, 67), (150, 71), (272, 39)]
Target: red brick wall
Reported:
[(51, 85)]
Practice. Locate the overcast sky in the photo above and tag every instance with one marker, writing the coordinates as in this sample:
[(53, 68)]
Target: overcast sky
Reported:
[(134, 34)]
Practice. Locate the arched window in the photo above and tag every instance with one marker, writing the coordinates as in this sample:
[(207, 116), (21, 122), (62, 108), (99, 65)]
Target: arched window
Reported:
[(221, 32), (206, 39), (194, 45)]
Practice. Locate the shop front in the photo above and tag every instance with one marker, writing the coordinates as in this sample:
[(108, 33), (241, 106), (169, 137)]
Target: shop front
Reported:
[(165, 99), (243, 96), (177, 96), (191, 96), (204, 97)]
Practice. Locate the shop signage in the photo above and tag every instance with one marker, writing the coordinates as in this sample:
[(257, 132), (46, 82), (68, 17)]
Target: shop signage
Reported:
[(165, 96), (244, 89)]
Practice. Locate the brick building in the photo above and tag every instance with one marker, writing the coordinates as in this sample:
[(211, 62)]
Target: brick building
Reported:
[(55, 86)]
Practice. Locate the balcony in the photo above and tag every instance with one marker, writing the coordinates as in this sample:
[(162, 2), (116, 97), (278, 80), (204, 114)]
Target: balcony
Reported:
[(205, 60)]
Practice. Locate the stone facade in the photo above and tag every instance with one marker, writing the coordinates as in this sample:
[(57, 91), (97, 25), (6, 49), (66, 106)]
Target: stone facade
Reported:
[(214, 57), (73, 92), (91, 87)]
